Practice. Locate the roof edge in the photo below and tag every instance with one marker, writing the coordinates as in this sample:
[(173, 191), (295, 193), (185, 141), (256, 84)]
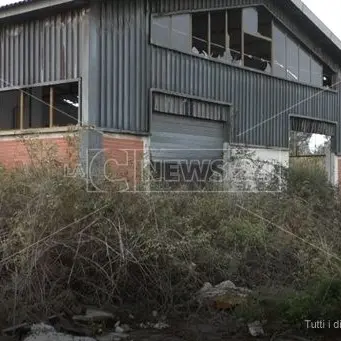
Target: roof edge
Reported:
[(317, 22), (27, 7)]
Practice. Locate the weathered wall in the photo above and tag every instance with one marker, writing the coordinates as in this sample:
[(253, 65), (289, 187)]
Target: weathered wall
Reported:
[(261, 103), (124, 65), (15, 152), (125, 156), (42, 50)]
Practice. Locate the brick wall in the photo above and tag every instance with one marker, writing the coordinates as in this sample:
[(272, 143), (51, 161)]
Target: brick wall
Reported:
[(16, 151), (124, 157)]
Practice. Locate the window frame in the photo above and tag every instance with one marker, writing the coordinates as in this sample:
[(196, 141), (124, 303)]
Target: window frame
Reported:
[(274, 21)]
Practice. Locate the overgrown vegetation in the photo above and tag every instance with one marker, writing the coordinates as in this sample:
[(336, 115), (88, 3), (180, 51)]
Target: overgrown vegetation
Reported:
[(64, 245)]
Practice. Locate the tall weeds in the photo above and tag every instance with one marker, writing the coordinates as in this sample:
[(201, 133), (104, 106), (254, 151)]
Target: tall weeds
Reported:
[(64, 246)]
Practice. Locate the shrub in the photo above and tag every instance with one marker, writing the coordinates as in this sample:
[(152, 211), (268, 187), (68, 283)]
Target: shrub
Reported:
[(65, 245)]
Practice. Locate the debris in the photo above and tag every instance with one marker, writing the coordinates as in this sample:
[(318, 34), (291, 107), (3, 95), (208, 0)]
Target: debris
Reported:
[(72, 327), (93, 315), (43, 332), (154, 313), (256, 328), (161, 325), (119, 329), (126, 328), (22, 328), (42, 328), (225, 295), (112, 337)]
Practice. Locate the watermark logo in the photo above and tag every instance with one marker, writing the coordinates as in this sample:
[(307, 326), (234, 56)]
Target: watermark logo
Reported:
[(180, 170)]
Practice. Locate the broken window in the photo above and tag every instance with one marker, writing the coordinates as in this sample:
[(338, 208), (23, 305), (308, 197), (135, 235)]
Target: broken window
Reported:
[(235, 35), (241, 36), (200, 24), (257, 38), (209, 34), (218, 34), (257, 53)]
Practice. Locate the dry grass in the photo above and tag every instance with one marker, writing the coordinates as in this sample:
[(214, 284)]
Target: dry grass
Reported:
[(66, 246)]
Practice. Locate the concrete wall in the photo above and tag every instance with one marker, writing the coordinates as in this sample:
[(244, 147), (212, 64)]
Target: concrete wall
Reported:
[(252, 169)]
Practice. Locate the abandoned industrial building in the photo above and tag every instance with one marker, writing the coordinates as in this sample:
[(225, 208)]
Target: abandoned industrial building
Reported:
[(168, 78)]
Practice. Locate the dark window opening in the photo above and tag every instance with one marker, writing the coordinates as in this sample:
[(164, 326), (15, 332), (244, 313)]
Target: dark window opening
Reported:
[(200, 33), (39, 107), (235, 35), (242, 36), (264, 22), (64, 111), (328, 77), (218, 34), (257, 53)]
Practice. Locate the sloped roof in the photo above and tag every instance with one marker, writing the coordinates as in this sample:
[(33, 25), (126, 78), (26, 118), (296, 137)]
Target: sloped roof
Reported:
[(18, 7), (15, 3)]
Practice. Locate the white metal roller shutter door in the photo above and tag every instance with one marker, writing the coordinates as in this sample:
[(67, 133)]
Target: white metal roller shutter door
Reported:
[(176, 137)]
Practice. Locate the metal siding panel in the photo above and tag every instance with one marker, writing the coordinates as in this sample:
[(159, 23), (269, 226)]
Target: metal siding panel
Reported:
[(41, 50), (262, 103), (164, 6), (124, 66), (179, 137)]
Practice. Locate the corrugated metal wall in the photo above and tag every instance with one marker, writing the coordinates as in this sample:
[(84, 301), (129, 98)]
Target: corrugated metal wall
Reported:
[(164, 6), (261, 103), (274, 6), (124, 65), (173, 104), (41, 51)]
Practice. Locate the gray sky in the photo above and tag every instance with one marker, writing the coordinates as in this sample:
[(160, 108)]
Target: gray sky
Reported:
[(327, 10)]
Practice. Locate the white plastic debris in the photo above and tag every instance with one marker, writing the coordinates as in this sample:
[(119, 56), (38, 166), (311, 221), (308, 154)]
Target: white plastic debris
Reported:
[(43, 332), (112, 337), (256, 329), (119, 329), (161, 325)]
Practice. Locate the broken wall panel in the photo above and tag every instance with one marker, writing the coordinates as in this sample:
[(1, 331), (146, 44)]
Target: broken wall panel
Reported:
[(44, 50)]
